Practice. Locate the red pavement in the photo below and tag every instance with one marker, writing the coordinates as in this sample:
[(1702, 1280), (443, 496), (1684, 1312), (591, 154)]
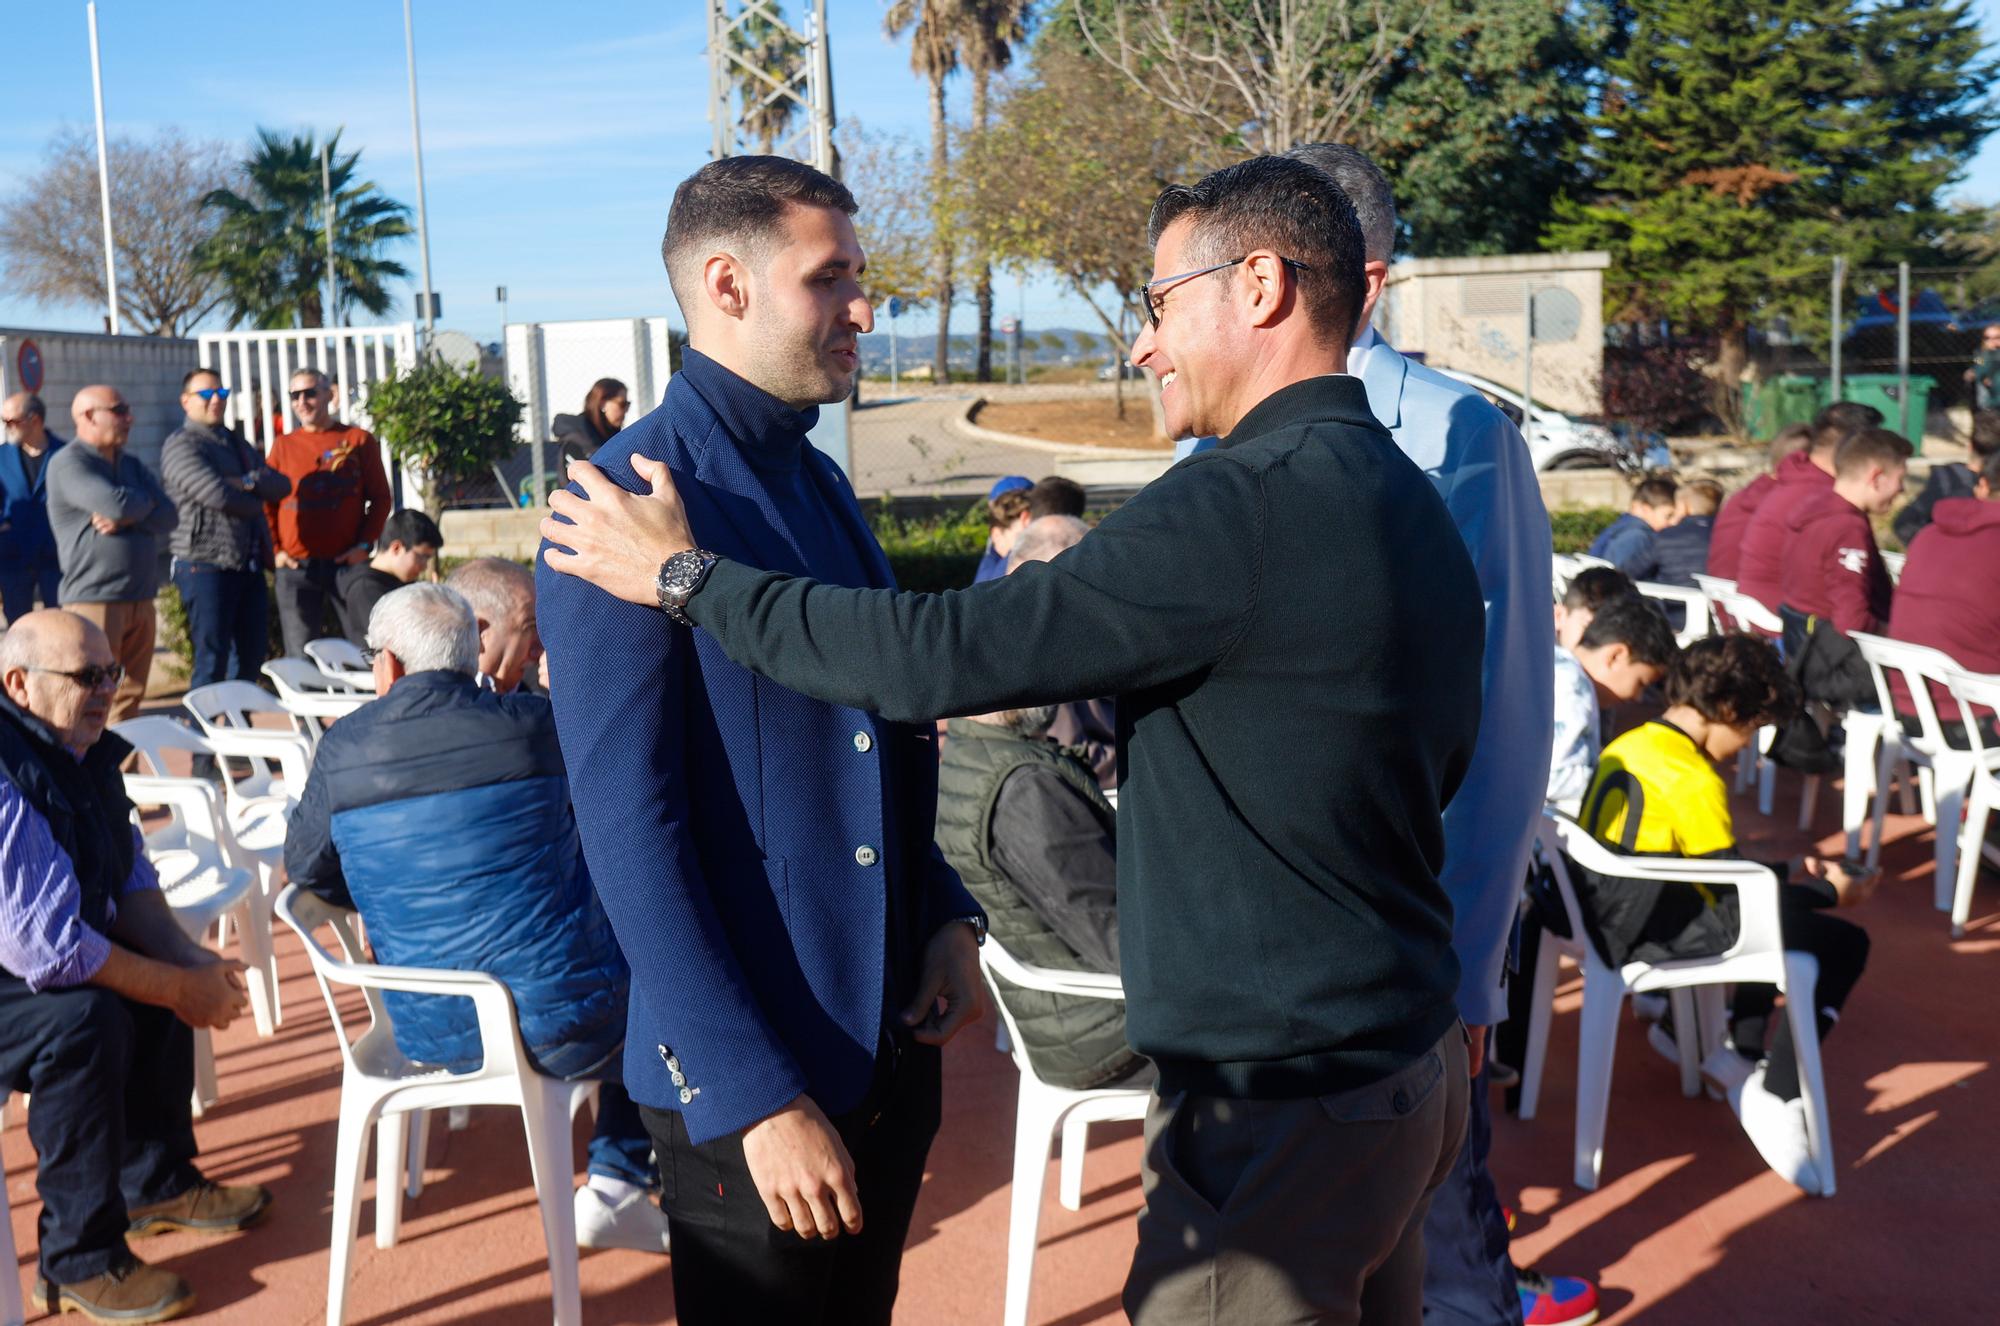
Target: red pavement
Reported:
[(1687, 1228)]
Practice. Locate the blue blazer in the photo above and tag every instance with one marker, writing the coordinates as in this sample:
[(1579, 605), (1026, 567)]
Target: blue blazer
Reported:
[(746, 840), (27, 544)]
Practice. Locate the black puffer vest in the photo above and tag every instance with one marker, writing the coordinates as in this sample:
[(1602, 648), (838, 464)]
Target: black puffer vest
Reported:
[(1072, 1042), (84, 802)]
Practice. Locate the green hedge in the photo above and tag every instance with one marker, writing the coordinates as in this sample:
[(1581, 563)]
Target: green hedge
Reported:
[(1576, 528)]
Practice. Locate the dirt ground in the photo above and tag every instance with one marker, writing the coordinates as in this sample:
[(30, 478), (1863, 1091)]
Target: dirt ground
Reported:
[(1090, 422)]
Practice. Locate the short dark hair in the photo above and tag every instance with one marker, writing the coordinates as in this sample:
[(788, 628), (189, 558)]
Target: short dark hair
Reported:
[(741, 201), (1704, 494), (1057, 496), (1986, 432), (1595, 586), (1871, 446), (194, 373), (411, 528), (1790, 438), (1839, 421), (1735, 680), (1279, 204), (1635, 622), (1660, 490)]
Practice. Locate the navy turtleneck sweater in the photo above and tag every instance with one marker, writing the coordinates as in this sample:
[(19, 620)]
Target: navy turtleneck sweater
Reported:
[(771, 435)]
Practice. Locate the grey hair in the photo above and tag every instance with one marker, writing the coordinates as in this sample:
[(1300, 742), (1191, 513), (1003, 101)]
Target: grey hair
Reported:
[(429, 628), (494, 586), (1365, 186), (307, 370), (1045, 537)]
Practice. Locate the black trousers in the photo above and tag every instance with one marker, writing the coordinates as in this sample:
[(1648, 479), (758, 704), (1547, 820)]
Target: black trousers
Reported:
[(310, 602), (732, 1265), (110, 1121)]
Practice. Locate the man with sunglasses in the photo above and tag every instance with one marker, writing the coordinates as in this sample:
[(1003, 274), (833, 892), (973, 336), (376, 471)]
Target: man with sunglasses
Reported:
[(326, 529), (1292, 629), (28, 563), (222, 547), (109, 514), (99, 990)]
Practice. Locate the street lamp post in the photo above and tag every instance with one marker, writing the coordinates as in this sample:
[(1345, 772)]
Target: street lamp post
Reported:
[(103, 177), (429, 299)]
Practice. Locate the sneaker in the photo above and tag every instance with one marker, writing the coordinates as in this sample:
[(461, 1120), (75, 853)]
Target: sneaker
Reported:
[(136, 1292), (1723, 1075), (1504, 1076), (206, 1208), (1778, 1130), (1555, 1300), (636, 1222)]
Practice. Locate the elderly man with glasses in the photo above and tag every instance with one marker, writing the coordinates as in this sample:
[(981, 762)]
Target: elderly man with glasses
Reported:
[(109, 514), (99, 990), (28, 563), (223, 545)]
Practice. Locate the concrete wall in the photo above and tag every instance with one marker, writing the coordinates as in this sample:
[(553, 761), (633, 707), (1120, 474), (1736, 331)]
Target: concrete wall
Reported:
[(1469, 314), (147, 369), (550, 365)]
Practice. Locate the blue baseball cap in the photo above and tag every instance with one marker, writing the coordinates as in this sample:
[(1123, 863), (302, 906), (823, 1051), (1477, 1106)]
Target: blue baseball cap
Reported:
[(1013, 483)]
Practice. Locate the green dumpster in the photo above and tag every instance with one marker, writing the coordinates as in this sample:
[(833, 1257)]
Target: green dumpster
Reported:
[(1884, 392), (1787, 399)]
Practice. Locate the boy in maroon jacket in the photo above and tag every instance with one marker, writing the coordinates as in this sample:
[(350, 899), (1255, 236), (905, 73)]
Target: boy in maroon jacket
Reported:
[(1949, 596), (1725, 542), (1832, 568), (1760, 567)]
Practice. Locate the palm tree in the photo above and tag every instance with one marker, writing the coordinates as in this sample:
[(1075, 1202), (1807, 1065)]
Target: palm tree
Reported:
[(269, 252), (935, 27), (774, 59), (992, 28)]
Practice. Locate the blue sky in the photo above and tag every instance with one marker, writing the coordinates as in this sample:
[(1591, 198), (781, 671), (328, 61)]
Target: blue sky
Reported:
[(553, 133)]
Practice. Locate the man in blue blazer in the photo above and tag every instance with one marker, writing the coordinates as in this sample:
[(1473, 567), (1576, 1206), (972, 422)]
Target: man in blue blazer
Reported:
[(799, 948), (28, 562)]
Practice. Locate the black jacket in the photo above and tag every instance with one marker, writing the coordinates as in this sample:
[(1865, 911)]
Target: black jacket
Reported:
[(1946, 481), (575, 433), (1293, 631), (1682, 549)]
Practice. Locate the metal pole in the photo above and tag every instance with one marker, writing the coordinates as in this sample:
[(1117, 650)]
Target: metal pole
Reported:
[(822, 82), (332, 318), (1528, 360), (103, 176), (417, 143), (1903, 343), (895, 374), (1838, 320)]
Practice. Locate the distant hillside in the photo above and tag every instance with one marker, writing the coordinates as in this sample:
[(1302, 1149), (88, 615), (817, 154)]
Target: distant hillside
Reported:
[(1070, 346)]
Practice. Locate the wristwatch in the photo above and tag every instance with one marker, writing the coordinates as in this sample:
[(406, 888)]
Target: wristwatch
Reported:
[(680, 576), (978, 924)]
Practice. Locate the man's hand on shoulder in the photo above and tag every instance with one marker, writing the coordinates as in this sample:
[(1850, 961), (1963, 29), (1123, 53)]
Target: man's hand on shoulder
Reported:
[(803, 1172), (617, 540), (949, 991)]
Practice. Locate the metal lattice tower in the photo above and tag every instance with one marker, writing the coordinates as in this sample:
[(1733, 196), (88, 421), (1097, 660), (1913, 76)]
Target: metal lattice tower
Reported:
[(808, 85)]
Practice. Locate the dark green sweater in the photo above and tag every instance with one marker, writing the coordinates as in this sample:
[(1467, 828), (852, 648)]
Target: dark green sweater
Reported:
[(1293, 631)]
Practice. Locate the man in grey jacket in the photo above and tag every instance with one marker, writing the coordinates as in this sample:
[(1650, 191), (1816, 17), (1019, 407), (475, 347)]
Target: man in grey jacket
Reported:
[(109, 514), (223, 546)]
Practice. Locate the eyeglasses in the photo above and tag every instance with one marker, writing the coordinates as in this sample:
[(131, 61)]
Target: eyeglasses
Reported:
[(369, 653), (1155, 302), (305, 393), (213, 393), (96, 677), (121, 409)]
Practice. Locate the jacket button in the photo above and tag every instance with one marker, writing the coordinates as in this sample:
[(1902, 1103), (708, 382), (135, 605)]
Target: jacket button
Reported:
[(673, 1064), (686, 1095), (865, 855), (1402, 1102), (680, 1078), (863, 743)]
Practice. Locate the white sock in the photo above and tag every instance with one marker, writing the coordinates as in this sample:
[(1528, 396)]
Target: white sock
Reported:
[(614, 1190)]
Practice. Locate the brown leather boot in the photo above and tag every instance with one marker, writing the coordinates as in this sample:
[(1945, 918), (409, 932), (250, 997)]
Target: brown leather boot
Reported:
[(206, 1208), (135, 1292)]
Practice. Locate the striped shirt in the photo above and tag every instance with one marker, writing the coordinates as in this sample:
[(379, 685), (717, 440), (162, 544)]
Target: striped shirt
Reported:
[(43, 937)]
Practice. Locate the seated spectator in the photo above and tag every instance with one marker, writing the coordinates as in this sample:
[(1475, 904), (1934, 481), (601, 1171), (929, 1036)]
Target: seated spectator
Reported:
[(1949, 596), (605, 406), (1006, 516), (1057, 496), (1760, 566), (441, 812), (1630, 542), (1682, 547), (1589, 590), (1027, 829), (1087, 728), (1657, 793), (409, 544), (99, 990), (1950, 480), (502, 595), (1725, 542), (1625, 648)]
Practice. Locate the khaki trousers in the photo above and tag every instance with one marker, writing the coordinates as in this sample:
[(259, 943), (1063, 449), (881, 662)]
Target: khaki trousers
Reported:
[(1296, 1212), (130, 627)]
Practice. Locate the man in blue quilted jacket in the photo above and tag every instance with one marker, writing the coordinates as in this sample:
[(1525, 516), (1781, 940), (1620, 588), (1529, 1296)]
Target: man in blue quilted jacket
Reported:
[(441, 812)]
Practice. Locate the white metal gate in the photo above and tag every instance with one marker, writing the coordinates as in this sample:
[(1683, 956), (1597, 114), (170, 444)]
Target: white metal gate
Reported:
[(257, 367)]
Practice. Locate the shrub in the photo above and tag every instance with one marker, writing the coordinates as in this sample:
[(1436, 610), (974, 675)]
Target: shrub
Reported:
[(1575, 528), (934, 555), (1658, 388), (449, 423)]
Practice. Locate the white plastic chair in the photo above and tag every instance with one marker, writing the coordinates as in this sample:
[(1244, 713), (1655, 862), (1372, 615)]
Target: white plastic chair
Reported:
[(380, 1088), (1894, 561), (278, 761), (1945, 770), (1040, 1110), (1757, 955), (1970, 689), (11, 1308), (336, 654), (312, 697), (1694, 605)]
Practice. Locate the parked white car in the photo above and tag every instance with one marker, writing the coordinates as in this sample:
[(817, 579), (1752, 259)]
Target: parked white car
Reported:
[(1556, 440)]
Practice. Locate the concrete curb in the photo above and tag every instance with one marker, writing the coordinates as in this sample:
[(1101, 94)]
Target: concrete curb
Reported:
[(962, 423)]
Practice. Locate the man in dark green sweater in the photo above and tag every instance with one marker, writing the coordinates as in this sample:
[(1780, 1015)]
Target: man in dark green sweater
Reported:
[(1292, 629)]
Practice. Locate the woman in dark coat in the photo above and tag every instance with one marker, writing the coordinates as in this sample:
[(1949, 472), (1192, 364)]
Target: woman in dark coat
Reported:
[(604, 410)]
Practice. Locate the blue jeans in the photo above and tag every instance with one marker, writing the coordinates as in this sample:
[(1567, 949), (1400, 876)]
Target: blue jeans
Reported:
[(1468, 1272), (620, 1147), (19, 585), (229, 621)]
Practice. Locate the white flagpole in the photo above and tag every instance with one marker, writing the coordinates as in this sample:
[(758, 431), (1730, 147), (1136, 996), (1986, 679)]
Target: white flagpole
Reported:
[(417, 143), (103, 175)]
